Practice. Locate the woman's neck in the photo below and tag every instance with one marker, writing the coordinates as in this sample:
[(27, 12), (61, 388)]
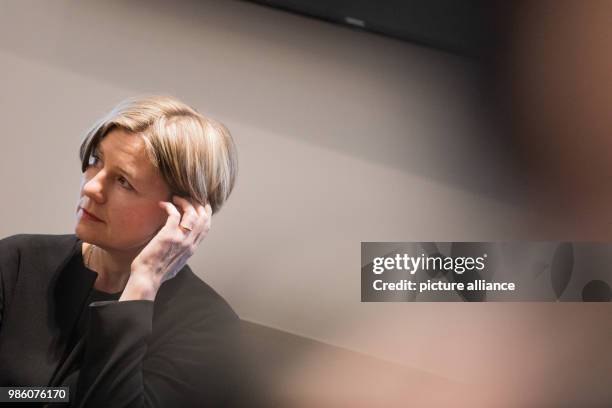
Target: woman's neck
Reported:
[(113, 267)]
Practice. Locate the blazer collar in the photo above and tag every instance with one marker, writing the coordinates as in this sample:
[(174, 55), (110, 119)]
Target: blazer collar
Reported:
[(70, 294), (49, 296)]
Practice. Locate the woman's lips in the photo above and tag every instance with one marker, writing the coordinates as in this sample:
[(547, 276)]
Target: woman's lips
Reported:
[(90, 216)]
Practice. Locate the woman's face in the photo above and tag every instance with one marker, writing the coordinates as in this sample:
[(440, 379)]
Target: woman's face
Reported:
[(122, 189)]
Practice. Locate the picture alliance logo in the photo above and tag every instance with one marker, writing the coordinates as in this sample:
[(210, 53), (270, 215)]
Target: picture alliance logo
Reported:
[(424, 262)]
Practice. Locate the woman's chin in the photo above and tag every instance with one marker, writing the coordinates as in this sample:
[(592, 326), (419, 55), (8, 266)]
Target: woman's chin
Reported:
[(84, 233)]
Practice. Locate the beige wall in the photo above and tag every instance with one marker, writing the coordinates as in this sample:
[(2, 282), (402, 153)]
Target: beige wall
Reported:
[(343, 137)]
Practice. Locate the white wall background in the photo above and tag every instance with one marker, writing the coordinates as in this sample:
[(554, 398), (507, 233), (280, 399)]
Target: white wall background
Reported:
[(343, 137)]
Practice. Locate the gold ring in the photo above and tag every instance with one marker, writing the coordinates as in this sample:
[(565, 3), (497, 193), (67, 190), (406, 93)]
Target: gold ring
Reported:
[(185, 227)]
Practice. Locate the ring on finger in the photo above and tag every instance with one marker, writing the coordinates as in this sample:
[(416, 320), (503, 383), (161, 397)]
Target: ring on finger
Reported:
[(185, 228)]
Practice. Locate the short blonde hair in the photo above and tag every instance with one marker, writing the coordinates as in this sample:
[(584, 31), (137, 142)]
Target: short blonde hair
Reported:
[(195, 155)]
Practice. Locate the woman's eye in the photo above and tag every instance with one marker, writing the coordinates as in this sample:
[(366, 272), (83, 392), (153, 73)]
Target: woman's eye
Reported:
[(93, 160), (124, 183)]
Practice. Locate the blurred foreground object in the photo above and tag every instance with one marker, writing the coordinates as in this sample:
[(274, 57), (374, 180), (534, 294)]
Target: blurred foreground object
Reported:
[(553, 73)]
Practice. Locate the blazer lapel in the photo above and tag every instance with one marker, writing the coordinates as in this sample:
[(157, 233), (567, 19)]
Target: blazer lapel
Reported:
[(49, 295)]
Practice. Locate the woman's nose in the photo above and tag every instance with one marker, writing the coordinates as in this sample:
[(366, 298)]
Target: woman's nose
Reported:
[(94, 187)]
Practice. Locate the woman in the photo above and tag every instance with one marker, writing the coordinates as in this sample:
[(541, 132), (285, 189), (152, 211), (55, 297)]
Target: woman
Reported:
[(113, 311)]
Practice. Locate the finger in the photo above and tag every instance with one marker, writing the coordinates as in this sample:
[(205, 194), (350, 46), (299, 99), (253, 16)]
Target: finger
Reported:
[(203, 221), (207, 222), (174, 216), (205, 212), (200, 209), (190, 215)]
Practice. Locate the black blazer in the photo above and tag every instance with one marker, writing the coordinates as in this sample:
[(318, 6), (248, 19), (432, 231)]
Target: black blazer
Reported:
[(178, 351)]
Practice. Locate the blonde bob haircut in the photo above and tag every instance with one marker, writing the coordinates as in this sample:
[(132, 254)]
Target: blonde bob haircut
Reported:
[(195, 155)]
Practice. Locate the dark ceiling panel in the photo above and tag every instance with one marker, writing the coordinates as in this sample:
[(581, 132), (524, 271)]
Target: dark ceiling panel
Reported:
[(459, 26)]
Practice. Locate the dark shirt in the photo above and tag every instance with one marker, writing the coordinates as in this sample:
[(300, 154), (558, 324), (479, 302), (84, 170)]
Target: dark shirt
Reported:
[(77, 263)]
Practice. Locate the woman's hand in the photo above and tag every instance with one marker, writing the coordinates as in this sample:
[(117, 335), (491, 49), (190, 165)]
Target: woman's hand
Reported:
[(169, 250)]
